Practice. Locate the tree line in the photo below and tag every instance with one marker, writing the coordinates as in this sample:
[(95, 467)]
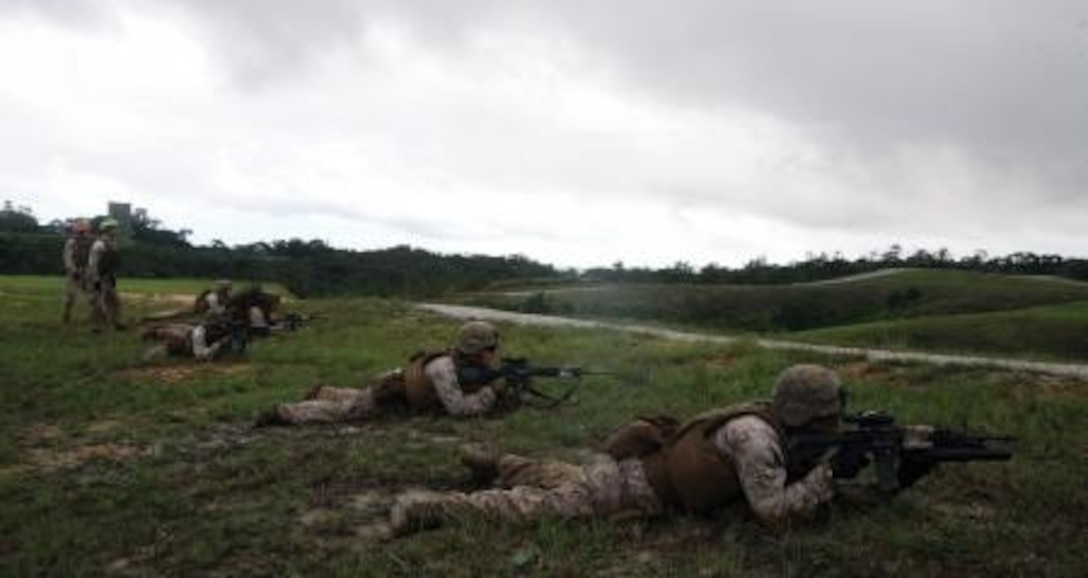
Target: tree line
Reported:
[(306, 268), (819, 267), (313, 268)]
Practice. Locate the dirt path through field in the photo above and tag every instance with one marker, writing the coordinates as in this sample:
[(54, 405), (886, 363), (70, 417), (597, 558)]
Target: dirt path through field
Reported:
[(1063, 369)]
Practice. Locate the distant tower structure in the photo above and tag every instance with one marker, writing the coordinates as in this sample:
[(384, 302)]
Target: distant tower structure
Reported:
[(122, 213)]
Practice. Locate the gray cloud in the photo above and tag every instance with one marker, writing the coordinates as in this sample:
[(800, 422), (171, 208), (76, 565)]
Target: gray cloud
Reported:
[(1004, 82), (921, 119)]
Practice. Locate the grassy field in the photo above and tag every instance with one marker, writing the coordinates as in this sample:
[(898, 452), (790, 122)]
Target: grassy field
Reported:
[(942, 311), (1057, 332), (109, 466)]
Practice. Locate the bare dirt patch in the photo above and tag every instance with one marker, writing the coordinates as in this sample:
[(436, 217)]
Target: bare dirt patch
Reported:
[(160, 298), (1051, 387), (725, 360), (179, 373), (39, 434), (49, 459), (855, 371), (103, 426), (1056, 386)]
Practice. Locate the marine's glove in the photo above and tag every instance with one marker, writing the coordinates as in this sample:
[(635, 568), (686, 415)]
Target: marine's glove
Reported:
[(498, 386), (847, 464), (97, 285)]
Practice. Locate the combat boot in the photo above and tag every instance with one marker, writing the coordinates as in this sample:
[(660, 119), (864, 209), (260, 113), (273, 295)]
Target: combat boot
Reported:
[(482, 460), (416, 510), (270, 417)]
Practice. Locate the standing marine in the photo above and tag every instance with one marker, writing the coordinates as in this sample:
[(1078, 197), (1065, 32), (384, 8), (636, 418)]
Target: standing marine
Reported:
[(102, 266), (76, 253)]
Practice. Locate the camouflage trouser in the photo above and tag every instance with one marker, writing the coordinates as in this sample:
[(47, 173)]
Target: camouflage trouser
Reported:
[(331, 405), (530, 489), (74, 287), (107, 305)]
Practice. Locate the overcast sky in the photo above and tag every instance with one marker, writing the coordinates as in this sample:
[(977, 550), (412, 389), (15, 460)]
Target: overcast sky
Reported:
[(575, 132)]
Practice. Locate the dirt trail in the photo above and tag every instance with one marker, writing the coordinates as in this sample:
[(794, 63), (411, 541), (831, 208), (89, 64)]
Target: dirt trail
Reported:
[(1064, 369)]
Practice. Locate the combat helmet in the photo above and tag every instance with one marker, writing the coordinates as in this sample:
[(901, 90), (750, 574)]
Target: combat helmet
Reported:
[(803, 393), (108, 224), (81, 226), (476, 336)]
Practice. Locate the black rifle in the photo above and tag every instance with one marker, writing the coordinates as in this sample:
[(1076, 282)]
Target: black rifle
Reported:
[(295, 321), (519, 376), (901, 454)]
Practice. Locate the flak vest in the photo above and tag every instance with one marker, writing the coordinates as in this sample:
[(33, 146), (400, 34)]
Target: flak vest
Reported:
[(109, 261), (419, 390), (81, 251), (689, 472)]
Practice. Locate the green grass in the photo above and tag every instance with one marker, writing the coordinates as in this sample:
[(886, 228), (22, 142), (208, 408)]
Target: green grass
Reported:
[(110, 466), (37, 284), (1058, 332)]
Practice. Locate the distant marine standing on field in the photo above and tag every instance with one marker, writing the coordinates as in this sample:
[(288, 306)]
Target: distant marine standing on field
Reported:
[(76, 253), (102, 266)]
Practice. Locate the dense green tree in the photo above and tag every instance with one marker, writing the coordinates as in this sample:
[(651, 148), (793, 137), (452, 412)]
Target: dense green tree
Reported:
[(19, 219)]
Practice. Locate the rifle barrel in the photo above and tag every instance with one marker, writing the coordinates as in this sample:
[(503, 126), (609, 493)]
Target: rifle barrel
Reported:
[(988, 454)]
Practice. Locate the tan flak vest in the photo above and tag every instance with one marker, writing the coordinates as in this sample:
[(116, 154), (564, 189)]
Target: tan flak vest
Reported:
[(686, 470), (419, 390)]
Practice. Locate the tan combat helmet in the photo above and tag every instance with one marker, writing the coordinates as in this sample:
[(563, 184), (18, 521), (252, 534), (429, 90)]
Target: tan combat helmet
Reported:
[(803, 393), (476, 336)]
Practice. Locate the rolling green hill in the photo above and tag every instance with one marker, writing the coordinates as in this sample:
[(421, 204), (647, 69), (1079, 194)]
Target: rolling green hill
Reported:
[(934, 309), (1058, 332)]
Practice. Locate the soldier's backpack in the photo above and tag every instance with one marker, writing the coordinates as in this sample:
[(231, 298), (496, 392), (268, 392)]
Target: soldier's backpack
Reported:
[(642, 436)]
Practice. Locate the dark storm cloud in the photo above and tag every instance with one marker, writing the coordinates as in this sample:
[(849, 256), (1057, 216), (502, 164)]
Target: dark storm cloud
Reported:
[(1004, 81), (1005, 78), (1001, 78)]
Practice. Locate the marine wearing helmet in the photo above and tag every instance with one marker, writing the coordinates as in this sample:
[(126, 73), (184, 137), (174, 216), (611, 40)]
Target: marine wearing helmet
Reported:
[(804, 394)]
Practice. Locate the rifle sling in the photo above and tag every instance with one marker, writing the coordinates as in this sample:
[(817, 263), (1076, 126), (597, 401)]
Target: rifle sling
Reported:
[(553, 401)]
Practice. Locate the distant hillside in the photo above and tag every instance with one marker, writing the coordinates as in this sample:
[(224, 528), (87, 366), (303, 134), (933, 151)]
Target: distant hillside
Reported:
[(776, 308)]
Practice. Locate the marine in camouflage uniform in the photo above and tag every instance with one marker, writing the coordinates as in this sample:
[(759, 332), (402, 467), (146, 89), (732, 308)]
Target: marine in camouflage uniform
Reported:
[(204, 341), (429, 384), (102, 277), (654, 465), (76, 252)]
